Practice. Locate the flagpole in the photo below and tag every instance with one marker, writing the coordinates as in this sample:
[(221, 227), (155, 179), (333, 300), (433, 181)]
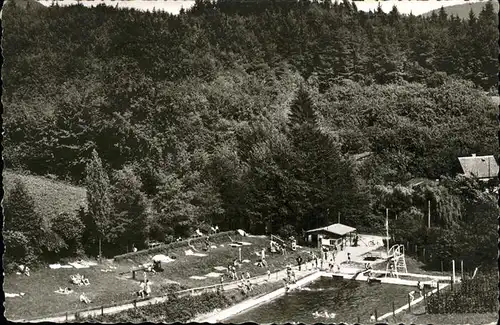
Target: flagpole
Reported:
[(387, 228)]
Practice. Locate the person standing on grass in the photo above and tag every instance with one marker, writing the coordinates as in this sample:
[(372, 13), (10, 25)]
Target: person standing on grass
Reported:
[(142, 287), (222, 283), (148, 288), (268, 275)]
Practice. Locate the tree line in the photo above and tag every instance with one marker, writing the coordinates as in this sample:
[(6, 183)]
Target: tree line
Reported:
[(249, 115)]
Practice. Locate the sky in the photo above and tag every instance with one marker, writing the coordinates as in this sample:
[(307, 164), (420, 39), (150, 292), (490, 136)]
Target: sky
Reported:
[(174, 6)]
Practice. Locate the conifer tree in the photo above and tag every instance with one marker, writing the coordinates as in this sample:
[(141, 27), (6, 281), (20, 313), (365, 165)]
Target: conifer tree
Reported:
[(302, 109), (98, 197), (20, 214)]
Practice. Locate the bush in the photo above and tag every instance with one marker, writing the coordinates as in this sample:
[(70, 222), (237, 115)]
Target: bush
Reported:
[(471, 296), (17, 249), (70, 228), (287, 231)]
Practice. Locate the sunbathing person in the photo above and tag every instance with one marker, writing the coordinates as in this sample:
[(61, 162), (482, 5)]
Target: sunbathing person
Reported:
[(85, 299)]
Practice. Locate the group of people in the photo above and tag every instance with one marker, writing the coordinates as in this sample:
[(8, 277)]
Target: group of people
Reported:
[(144, 289), (420, 288), (233, 273), (23, 269), (290, 275), (65, 291), (79, 280), (245, 285)]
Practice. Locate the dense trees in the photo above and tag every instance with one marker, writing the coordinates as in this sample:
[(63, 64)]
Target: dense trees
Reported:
[(248, 115)]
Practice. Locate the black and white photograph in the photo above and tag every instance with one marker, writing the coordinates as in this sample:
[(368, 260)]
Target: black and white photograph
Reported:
[(264, 161)]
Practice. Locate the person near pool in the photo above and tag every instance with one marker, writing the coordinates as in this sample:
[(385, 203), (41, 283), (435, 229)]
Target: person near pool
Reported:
[(412, 295), (420, 287), (348, 257), (299, 262), (148, 288)]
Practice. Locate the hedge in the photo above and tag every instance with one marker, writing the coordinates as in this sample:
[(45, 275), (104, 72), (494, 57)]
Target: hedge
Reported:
[(470, 296)]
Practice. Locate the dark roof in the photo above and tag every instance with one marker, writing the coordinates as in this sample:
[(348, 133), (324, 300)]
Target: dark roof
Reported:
[(336, 229), (479, 166)]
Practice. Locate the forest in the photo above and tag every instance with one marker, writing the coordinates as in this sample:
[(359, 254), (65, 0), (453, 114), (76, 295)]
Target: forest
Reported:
[(270, 116)]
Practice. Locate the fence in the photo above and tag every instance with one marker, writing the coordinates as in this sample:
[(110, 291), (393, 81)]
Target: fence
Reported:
[(425, 254)]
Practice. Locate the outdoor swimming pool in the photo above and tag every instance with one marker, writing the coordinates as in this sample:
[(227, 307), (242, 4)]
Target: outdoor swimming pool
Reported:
[(347, 299)]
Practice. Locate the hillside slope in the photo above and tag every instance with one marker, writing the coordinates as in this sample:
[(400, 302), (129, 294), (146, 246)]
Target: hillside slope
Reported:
[(25, 3), (51, 197), (462, 11)]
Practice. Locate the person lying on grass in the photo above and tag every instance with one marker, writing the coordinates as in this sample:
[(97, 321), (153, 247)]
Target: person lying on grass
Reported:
[(84, 299), (65, 290), (79, 280)]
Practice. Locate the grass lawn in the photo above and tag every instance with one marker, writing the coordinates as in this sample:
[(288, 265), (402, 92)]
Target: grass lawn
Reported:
[(187, 266), (108, 288), (50, 197)]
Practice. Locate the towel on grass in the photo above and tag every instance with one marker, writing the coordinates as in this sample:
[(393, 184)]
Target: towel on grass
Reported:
[(244, 243), (196, 277), (220, 268), (13, 295), (77, 265), (190, 252), (213, 275)]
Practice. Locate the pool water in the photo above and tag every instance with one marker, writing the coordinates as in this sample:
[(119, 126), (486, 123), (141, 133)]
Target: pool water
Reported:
[(343, 300)]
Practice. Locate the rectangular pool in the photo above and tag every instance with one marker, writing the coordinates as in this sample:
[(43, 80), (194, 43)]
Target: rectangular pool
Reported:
[(342, 300)]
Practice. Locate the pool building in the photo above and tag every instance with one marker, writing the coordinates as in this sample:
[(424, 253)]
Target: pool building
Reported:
[(336, 235)]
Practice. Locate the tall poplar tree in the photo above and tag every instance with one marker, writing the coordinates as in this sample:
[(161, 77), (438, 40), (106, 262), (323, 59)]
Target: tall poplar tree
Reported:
[(98, 197)]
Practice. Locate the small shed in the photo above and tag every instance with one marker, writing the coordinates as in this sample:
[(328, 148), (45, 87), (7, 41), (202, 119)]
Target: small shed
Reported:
[(333, 235)]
